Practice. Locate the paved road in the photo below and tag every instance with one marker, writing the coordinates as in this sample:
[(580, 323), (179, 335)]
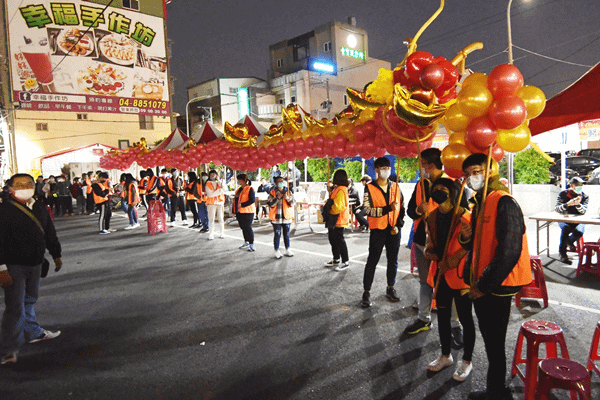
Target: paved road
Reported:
[(174, 316)]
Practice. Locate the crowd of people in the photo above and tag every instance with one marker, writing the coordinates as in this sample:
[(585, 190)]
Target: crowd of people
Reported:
[(465, 259)]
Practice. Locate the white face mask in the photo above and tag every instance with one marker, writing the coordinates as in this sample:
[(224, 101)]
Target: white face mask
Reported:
[(24, 194), (425, 174), (176, 174), (384, 173), (205, 178), (476, 182)]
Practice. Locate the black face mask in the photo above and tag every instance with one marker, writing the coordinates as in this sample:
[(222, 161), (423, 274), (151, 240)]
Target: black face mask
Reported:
[(439, 196)]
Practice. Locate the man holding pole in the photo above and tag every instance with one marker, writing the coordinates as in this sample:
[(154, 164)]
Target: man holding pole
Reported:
[(497, 266)]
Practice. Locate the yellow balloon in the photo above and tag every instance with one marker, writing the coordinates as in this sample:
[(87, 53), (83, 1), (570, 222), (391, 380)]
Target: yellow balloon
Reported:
[(495, 167), (457, 137), (317, 130), (514, 140), (474, 100), (534, 99), (478, 78), (366, 115), (455, 120), (307, 133), (453, 156), (330, 132)]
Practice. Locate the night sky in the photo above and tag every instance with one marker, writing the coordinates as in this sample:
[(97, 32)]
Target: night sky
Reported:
[(228, 38)]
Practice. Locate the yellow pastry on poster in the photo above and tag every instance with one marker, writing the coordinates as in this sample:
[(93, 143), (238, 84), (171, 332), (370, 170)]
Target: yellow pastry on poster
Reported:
[(148, 90)]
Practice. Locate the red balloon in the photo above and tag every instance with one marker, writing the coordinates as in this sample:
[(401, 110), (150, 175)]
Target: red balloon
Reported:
[(505, 80), (481, 132), (453, 173), (380, 152), (451, 74), (416, 62), (339, 141), (310, 143), (351, 149), (474, 149), (431, 76), (369, 129), (319, 141), (508, 112), (497, 153)]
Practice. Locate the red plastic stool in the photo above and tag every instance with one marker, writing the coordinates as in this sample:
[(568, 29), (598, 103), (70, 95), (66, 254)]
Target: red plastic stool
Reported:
[(594, 356), (536, 331), (561, 373), (537, 288), (578, 246), (585, 259)]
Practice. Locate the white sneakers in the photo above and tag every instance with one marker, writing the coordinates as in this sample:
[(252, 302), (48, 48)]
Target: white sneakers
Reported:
[(184, 222), (104, 232), (440, 363), (278, 254), (132, 227), (288, 253), (462, 370)]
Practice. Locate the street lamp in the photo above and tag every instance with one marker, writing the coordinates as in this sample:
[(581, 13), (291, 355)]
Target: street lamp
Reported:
[(187, 120)]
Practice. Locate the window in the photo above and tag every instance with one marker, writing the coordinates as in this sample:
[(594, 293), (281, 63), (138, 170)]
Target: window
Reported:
[(345, 99), (41, 126), (131, 4), (280, 63), (327, 47), (293, 99), (146, 122), (281, 101), (301, 51), (124, 144), (82, 116), (233, 90)]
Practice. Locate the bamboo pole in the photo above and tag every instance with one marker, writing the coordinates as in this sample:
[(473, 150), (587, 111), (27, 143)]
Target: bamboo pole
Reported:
[(451, 232), (479, 225)]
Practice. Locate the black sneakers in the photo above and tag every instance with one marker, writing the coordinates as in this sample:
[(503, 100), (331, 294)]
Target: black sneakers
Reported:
[(565, 259), (417, 326), (457, 338), (366, 300), (391, 294)]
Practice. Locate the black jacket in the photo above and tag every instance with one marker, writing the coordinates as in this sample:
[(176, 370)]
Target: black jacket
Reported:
[(22, 242)]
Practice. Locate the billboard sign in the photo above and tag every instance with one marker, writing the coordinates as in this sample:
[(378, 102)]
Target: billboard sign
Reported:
[(85, 57)]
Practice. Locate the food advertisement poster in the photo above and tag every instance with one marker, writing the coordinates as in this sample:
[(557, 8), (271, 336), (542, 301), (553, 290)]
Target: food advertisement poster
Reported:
[(85, 57)]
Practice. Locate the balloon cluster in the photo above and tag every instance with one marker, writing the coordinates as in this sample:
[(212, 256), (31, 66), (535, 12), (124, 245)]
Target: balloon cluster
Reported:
[(492, 111)]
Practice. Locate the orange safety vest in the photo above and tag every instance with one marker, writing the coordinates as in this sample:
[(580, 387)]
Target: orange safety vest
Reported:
[(200, 192), (419, 200), (88, 185), (151, 181), (288, 213), (215, 199), (142, 185), (122, 194), (343, 217), (190, 195), (521, 273), (454, 277), (379, 202), (243, 197), (100, 199), (133, 196)]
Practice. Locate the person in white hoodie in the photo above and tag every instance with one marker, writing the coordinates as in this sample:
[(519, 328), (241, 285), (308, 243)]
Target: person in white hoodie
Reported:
[(215, 201)]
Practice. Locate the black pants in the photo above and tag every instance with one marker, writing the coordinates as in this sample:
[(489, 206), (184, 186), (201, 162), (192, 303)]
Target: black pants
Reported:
[(89, 202), (493, 313), (177, 202), (144, 201), (360, 217), (569, 235), (105, 214), (193, 209), (338, 244), (245, 221), (464, 309), (377, 240), (66, 205)]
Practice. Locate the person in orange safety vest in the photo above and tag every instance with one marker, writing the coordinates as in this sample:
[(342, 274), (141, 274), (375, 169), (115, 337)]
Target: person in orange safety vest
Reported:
[(132, 198), (497, 267), (244, 204), (339, 217), (102, 191), (384, 206), (447, 260)]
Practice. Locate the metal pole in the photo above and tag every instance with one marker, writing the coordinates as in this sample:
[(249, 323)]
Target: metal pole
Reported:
[(510, 53), (187, 121)]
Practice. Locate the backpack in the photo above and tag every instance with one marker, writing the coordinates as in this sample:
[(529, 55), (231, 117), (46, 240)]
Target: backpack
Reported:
[(75, 191)]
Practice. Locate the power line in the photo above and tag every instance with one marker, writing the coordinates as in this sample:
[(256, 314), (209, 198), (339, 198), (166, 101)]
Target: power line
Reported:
[(551, 58)]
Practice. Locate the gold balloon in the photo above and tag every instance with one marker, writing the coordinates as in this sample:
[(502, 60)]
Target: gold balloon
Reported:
[(455, 120), (495, 168), (457, 137), (534, 99), (317, 130), (478, 78), (291, 120), (330, 132), (307, 133), (474, 100), (514, 140), (453, 156), (359, 101), (413, 111), (238, 135)]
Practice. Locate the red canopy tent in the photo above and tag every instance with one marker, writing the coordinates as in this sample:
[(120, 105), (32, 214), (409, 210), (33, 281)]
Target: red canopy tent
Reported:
[(254, 128), (579, 102), (205, 133), (176, 140)]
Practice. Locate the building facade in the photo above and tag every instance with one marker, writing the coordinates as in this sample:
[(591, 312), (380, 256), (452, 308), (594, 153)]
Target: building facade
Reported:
[(80, 72)]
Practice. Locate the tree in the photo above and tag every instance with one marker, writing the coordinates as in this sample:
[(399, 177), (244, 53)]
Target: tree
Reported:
[(407, 171), (531, 167), (353, 169), (317, 168)]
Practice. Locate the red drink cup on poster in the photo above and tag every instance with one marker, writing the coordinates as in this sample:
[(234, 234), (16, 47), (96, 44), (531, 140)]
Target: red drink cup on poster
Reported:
[(38, 58)]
